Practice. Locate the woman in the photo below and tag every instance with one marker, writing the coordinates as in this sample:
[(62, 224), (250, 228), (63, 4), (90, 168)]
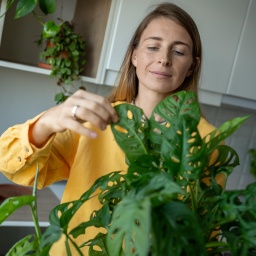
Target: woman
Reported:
[(73, 140)]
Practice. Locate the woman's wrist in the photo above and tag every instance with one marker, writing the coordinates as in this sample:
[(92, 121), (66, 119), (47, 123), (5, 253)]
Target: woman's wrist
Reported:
[(39, 133)]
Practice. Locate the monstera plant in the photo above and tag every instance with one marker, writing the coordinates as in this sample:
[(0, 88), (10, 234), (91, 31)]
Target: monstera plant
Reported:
[(168, 202)]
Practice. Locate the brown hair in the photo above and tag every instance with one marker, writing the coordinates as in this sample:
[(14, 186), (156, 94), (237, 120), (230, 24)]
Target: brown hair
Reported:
[(127, 82)]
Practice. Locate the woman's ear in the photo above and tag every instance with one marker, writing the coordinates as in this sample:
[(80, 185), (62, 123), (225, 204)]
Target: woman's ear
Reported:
[(134, 58), (195, 65)]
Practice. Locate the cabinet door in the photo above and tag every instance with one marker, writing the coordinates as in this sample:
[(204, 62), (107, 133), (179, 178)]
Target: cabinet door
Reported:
[(128, 14), (243, 82), (3, 4), (219, 22)]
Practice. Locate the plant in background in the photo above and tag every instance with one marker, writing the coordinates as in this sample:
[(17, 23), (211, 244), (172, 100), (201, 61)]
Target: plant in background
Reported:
[(64, 52), (168, 202), (253, 162), (64, 49), (25, 7)]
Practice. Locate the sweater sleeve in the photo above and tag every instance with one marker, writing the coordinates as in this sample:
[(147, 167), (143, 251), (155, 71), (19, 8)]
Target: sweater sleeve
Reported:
[(19, 158)]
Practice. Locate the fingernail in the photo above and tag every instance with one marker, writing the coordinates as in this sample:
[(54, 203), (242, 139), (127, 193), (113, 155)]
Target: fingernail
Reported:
[(116, 119), (103, 126), (93, 135)]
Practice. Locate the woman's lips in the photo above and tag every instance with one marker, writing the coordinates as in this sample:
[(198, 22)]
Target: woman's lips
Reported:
[(161, 74)]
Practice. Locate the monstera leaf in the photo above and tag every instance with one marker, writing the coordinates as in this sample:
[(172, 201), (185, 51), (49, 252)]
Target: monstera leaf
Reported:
[(130, 132), (170, 201)]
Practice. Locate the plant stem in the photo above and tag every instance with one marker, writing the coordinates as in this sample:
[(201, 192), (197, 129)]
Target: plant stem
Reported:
[(221, 246), (37, 18), (35, 219), (74, 244), (34, 206), (194, 193)]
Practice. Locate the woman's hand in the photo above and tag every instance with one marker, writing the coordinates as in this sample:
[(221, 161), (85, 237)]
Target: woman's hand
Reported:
[(81, 107)]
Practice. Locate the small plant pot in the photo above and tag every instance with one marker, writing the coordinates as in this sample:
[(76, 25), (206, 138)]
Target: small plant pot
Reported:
[(44, 65)]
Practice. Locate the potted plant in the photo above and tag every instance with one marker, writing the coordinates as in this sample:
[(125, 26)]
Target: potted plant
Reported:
[(64, 49), (64, 52), (168, 202)]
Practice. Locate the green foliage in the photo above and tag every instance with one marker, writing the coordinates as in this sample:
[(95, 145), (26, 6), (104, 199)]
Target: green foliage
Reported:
[(60, 97), (65, 52), (25, 7), (47, 6), (253, 162), (29, 245), (11, 204), (26, 246), (168, 202)]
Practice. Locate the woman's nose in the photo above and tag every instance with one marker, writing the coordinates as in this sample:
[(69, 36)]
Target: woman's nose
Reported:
[(165, 59)]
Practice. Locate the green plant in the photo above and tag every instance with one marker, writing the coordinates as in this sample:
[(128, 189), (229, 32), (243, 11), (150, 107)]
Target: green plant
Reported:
[(253, 162), (64, 49), (64, 52), (25, 7), (168, 202)]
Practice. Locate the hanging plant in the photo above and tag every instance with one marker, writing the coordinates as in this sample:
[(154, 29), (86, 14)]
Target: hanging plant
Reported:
[(64, 52)]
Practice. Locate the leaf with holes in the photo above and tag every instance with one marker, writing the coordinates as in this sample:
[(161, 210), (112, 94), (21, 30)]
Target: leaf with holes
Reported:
[(12, 204), (130, 132), (179, 141), (26, 246), (130, 227)]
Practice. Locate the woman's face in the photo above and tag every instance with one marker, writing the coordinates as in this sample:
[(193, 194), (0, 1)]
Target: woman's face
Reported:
[(163, 58)]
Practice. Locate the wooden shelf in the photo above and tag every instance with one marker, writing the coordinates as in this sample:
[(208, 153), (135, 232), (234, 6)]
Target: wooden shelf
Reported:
[(24, 67), (18, 36)]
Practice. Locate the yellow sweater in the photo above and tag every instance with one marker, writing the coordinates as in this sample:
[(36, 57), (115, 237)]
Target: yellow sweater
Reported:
[(69, 156)]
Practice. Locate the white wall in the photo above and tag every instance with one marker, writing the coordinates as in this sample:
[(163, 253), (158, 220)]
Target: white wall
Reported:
[(23, 95)]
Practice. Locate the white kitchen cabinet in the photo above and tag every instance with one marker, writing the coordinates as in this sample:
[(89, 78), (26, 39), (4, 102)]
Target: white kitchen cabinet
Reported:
[(220, 23), (242, 79)]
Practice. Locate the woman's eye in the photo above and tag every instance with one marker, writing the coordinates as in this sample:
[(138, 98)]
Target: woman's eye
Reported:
[(152, 48), (179, 53)]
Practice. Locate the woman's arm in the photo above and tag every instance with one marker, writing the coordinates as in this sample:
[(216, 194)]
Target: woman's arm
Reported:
[(88, 108), (51, 139)]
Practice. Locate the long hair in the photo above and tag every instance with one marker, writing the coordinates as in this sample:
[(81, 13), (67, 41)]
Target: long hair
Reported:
[(126, 87)]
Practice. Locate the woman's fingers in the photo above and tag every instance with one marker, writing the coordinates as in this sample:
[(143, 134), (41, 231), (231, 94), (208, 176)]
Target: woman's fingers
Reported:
[(81, 107), (99, 104), (78, 127), (91, 108)]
